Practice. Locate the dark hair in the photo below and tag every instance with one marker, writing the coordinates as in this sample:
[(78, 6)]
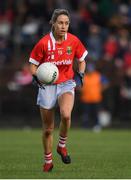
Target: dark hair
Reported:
[(58, 12)]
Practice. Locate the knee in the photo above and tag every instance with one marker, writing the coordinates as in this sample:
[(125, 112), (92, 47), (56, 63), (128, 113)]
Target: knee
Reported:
[(65, 116), (47, 132)]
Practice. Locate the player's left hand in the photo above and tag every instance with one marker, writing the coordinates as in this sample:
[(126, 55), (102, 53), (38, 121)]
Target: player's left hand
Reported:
[(79, 79)]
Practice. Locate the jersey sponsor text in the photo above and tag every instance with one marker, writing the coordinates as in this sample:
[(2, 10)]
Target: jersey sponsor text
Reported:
[(62, 62)]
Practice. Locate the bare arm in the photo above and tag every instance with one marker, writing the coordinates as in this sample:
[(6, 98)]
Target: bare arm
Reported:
[(81, 66), (33, 68)]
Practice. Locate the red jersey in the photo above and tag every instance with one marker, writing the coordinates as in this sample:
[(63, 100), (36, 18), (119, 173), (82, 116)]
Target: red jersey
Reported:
[(63, 54)]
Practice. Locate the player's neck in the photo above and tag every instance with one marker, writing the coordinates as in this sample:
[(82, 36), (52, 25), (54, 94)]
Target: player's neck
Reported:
[(59, 39)]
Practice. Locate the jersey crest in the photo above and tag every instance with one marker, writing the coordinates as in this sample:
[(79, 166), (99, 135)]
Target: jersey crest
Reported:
[(69, 50)]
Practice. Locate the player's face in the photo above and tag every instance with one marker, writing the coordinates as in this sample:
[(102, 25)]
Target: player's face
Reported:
[(61, 25)]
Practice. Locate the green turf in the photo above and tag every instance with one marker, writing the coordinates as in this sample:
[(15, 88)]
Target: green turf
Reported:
[(94, 155)]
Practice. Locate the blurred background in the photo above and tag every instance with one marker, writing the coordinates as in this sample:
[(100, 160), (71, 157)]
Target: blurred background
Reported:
[(103, 26)]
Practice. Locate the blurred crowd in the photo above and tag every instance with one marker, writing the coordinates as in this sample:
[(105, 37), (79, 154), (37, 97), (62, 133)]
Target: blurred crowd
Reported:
[(104, 27)]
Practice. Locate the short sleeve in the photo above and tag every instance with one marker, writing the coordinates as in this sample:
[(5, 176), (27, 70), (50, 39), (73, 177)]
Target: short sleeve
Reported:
[(81, 51), (37, 53)]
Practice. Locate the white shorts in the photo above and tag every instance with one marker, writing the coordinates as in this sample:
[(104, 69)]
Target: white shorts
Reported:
[(47, 97)]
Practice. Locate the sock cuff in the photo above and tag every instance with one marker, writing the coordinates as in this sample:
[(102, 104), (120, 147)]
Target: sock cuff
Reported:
[(48, 154), (63, 138)]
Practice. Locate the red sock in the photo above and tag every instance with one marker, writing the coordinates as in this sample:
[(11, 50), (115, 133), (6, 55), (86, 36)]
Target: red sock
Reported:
[(48, 158), (62, 141)]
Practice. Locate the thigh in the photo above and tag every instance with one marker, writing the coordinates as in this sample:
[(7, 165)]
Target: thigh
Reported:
[(66, 97), (47, 116), (66, 102)]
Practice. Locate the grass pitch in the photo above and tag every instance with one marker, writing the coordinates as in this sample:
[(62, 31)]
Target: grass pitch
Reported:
[(94, 155)]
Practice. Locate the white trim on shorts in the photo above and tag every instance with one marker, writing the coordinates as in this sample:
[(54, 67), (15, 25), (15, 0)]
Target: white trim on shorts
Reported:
[(47, 97)]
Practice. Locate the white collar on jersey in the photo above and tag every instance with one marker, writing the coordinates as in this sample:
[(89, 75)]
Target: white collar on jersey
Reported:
[(53, 38)]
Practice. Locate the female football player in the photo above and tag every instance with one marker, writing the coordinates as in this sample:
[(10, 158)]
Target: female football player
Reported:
[(60, 48)]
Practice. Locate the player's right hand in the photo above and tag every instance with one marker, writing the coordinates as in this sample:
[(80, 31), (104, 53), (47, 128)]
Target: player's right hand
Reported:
[(36, 82)]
